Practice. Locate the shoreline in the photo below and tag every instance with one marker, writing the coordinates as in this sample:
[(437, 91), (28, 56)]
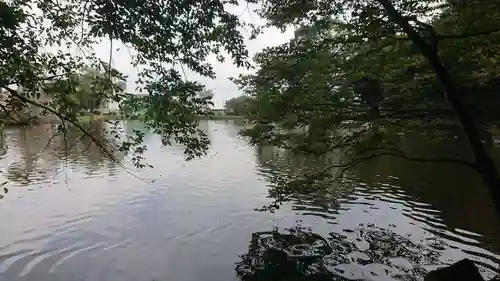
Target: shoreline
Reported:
[(105, 117)]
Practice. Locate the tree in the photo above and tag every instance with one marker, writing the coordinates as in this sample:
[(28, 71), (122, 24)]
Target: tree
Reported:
[(35, 37), (90, 89), (206, 96), (238, 105), (358, 70)]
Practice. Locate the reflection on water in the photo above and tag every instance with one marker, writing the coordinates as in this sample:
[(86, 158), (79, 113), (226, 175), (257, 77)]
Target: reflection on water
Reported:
[(79, 216), (367, 252), (41, 152)]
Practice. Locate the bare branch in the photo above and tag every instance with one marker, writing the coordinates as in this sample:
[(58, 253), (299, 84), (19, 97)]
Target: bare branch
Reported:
[(76, 142), (110, 61), (88, 146), (50, 140), (9, 113), (65, 140), (389, 152)]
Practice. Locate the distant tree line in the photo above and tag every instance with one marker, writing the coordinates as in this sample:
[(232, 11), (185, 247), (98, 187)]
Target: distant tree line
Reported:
[(238, 105)]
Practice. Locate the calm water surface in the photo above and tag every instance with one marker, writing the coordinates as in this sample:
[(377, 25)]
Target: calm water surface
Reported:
[(78, 216)]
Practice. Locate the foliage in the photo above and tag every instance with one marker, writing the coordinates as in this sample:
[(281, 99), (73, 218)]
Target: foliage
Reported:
[(239, 105), (313, 80), (91, 91), (353, 76), (206, 93), (38, 40)]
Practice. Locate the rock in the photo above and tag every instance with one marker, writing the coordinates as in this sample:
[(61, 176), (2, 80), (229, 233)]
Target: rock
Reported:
[(464, 270)]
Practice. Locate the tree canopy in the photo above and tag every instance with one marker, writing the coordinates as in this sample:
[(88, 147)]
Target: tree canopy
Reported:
[(360, 71), (38, 39), (91, 91), (356, 71), (239, 105)]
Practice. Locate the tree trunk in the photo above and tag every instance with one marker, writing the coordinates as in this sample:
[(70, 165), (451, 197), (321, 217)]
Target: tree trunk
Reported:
[(484, 164)]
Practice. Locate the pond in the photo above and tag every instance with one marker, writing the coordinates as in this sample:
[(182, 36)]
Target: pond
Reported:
[(72, 214)]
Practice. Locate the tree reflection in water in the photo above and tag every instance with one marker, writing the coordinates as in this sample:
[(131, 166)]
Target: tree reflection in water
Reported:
[(41, 152), (426, 205), (3, 145), (292, 255), (365, 253)]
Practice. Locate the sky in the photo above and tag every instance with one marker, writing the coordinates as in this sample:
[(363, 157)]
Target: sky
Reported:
[(221, 86)]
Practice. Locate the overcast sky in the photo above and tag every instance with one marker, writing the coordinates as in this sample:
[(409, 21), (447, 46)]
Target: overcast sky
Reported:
[(221, 86)]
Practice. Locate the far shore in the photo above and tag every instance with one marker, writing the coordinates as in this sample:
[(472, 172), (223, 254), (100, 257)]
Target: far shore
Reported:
[(106, 116), (213, 117)]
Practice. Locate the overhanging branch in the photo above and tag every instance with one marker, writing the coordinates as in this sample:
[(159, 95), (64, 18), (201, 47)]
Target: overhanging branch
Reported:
[(388, 152), (64, 118)]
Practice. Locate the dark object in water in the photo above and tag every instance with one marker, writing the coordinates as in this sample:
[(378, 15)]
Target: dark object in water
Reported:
[(464, 270)]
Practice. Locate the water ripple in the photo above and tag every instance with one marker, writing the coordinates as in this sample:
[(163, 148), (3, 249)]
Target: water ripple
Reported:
[(444, 246), (73, 254), (11, 258), (196, 219)]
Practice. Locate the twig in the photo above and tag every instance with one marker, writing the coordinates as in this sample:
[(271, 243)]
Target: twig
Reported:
[(76, 142), (50, 140), (110, 60), (389, 152), (84, 14), (88, 147), (65, 165), (246, 9), (9, 112), (183, 72), (49, 9)]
